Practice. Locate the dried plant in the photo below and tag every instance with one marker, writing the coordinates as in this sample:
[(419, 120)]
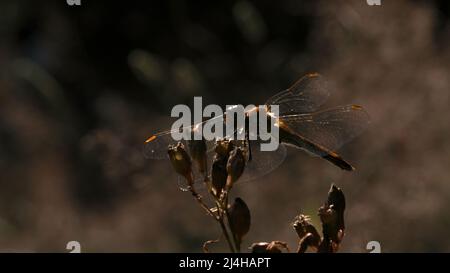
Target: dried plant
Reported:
[(332, 217), (228, 164)]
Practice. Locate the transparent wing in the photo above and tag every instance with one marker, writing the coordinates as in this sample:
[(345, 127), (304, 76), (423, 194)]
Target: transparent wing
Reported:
[(155, 147), (330, 128), (263, 162), (305, 96)]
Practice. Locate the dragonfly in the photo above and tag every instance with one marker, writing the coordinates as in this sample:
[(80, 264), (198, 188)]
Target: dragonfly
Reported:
[(301, 125)]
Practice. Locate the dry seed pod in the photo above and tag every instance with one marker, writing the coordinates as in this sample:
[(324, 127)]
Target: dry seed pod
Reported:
[(304, 228), (219, 173), (308, 241), (198, 149), (240, 219), (327, 214), (278, 245), (272, 247), (259, 247), (336, 199), (235, 167), (223, 147), (329, 219), (181, 161), (302, 225), (326, 246)]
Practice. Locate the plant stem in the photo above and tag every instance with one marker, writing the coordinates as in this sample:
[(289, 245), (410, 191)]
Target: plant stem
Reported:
[(219, 218), (225, 208), (235, 241), (198, 197), (225, 233)]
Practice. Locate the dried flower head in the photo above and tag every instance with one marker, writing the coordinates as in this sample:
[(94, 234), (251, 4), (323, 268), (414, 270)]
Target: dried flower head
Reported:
[(336, 199), (219, 173), (197, 149), (309, 237), (181, 161), (332, 217), (272, 247), (223, 147), (309, 241), (235, 167)]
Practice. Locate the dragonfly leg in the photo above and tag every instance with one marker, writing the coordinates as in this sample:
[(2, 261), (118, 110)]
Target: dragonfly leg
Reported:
[(247, 137), (249, 148)]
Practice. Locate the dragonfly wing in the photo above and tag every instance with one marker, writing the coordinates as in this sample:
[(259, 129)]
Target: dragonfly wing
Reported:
[(263, 162), (289, 137), (304, 96), (330, 128), (155, 147)]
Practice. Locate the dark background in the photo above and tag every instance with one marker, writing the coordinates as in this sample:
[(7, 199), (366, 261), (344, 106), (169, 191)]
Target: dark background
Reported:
[(82, 87)]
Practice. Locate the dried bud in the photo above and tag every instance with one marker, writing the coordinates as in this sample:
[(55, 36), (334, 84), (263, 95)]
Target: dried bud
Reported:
[(272, 247), (326, 246), (336, 199), (304, 229), (327, 214), (308, 241), (235, 167), (329, 219), (223, 147), (239, 218), (260, 247), (219, 173), (332, 217), (181, 161), (198, 149)]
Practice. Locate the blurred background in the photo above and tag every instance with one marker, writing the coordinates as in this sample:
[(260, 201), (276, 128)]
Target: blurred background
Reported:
[(82, 87)]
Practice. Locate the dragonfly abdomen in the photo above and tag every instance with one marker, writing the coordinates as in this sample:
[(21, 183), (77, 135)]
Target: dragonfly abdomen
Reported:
[(289, 137)]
